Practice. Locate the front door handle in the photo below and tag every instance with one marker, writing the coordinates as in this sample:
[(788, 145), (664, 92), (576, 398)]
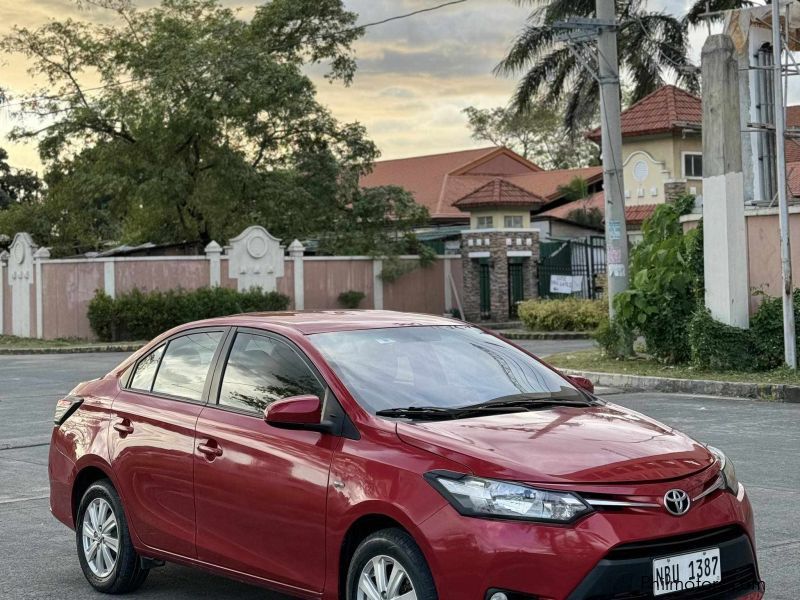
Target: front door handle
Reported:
[(124, 427), (210, 449)]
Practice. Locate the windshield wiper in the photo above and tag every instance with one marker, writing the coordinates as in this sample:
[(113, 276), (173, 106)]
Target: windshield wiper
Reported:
[(419, 412), (532, 400)]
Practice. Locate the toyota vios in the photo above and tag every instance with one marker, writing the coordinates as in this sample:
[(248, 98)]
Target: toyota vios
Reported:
[(385, 456)]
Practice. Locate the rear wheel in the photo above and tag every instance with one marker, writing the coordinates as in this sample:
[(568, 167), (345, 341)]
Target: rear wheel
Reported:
[(388, 565), (106, 554)]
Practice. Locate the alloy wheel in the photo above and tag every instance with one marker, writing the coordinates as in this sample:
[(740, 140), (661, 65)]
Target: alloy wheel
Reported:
[(100, 535), (384, 578)]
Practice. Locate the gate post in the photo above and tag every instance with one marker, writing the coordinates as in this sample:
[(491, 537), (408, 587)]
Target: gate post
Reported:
[(3, 260), (20, 278), (40, 255)]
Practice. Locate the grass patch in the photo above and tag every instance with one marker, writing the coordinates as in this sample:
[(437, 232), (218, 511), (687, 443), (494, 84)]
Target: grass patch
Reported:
[(21, 343), (593, 360)]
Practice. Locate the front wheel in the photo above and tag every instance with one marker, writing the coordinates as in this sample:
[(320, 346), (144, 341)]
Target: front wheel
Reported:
[(388, 565), (106, 554)]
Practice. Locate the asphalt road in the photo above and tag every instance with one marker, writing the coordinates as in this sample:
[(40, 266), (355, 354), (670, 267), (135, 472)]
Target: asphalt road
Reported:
[(38, 553)]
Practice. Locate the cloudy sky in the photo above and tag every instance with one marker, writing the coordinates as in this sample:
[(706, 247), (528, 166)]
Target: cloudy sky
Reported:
[(415, 75)]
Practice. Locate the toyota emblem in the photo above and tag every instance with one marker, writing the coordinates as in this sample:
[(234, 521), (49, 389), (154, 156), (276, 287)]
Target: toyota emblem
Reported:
[(677, 502)]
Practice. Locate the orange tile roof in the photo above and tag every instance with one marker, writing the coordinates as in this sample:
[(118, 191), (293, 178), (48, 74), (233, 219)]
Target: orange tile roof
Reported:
[(634, 214), (547, 183), (666, 109), (793, 178), (438, 181), (498, 192)]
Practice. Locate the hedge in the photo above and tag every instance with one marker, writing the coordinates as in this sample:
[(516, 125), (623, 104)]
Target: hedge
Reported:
[(138, 315), (568, 314)]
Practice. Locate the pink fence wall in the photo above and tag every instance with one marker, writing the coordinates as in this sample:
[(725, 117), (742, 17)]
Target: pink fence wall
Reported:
[(69, 285)]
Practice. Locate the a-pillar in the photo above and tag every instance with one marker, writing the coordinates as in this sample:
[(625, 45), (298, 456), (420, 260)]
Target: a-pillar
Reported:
[(724, 229)]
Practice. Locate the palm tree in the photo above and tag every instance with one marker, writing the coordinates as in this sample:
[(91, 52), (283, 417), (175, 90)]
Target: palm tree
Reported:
[(700, 7), (653, 46)]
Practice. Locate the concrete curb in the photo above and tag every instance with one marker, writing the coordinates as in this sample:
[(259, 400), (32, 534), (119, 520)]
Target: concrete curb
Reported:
[(766, 392), (72, 349), (545, 335)]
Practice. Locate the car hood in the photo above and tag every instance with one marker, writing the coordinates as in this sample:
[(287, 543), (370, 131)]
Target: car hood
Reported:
[(598, 444)]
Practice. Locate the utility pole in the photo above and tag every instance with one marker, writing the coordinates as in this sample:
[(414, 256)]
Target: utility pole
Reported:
[(789, 346), (613, 181)]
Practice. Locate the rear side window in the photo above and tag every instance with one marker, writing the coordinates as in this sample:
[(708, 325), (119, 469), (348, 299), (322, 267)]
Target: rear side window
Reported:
[(261, 370), (145, 371), (184, 368)]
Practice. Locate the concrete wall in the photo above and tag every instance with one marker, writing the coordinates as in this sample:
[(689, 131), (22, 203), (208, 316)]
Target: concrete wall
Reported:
[(763, 250), (69, 285)]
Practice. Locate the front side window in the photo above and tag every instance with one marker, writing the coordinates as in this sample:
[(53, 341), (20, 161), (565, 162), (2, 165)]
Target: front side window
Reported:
[(484, 222), (145, 371), (693, 165), (440, 366), (261, 370), (184, 368), (513, 221)]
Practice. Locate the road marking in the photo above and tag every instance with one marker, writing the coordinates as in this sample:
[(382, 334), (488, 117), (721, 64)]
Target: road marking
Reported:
[(13, 500)]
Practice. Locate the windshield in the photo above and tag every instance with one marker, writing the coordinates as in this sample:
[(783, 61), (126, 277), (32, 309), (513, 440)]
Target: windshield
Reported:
[(443, 366)]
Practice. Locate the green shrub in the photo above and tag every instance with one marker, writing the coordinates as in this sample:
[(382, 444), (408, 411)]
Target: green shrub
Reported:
[(664, 284), (351, 298), (767, 327), (568, 314), (614, 340), (721, 347), (138, 315)]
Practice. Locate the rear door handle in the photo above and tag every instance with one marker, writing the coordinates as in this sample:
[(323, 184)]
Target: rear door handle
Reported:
[(124, 427), (210, 449)]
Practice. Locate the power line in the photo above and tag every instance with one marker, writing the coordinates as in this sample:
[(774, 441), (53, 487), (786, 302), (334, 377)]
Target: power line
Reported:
[(136, 80)]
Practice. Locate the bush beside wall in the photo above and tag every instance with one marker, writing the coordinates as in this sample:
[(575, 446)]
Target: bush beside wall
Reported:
[(569, 314), (138, 315)]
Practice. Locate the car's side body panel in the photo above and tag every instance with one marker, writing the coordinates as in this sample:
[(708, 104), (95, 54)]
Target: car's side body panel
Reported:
[(261, 503)]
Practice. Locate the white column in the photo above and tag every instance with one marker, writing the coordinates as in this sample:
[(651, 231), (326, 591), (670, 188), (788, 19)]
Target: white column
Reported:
[(3, 259), (40, 255), (296, 252), (377, 284), (213, 252), (448, 290), (110, 278)]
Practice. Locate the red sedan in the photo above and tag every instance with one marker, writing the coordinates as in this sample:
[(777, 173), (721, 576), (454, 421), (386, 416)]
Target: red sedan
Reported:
[(386, 456)]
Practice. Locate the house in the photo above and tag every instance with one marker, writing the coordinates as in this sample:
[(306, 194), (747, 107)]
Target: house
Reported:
[(458, 188)]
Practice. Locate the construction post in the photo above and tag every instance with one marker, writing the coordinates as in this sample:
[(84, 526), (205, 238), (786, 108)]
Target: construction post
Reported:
[(789, 347), (613, 181), (727, 293)]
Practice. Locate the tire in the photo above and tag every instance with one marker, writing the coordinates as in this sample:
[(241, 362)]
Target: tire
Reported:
[(107, 571), (386, 549)]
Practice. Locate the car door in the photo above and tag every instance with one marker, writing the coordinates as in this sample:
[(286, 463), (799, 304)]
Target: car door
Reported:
[(152, 440), (260, 491)]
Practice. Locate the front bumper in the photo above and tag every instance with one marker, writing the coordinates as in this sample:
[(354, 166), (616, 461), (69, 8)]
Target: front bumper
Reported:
[(606, 555)]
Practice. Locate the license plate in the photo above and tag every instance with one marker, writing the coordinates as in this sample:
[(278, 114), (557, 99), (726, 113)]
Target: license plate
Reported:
[(686, 571)]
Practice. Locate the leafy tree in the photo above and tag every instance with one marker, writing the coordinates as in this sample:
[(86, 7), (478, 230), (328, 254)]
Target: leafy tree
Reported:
[(537, 134), (653, 47), (17, 185), (203, 122), (577, 191)]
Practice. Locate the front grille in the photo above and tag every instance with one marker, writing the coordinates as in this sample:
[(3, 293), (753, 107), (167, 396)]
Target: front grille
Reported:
[(674, 545), (734, 583)]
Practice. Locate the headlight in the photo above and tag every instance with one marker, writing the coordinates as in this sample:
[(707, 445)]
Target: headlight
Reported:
[(727, 470), (477, 497)]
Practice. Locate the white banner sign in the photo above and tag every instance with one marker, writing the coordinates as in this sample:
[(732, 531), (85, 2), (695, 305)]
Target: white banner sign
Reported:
[(565, 284)]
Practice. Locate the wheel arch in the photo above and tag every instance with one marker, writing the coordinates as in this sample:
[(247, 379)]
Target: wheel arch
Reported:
[(365, 525), (84, 478)]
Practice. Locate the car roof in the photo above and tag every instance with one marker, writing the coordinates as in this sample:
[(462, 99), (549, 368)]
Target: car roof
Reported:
[(323, 321)]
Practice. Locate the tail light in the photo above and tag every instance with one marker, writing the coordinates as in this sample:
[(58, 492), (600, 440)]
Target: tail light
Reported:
[(65, 407)]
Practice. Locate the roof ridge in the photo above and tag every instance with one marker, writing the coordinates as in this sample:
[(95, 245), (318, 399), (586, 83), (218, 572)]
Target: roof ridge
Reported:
[(486, 149)]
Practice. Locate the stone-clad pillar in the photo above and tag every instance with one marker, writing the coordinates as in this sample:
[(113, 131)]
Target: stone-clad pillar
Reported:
[(724, 229)]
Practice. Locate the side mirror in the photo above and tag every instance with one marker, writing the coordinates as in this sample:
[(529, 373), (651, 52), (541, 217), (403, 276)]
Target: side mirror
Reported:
[(296, 412), (582, 382)]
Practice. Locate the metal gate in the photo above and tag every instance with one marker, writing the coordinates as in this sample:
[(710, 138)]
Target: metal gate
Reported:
[(484, 274), (582, 259), (516, 290)]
